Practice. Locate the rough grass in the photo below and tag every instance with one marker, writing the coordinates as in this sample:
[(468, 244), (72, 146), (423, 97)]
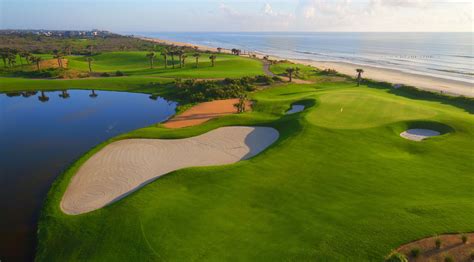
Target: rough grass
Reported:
[(333, 188)]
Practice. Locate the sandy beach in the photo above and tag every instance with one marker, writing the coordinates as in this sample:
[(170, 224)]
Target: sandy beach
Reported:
[(429, 83), (396, 77)]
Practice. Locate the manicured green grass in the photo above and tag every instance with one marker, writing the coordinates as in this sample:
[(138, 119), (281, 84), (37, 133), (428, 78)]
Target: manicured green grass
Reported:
[(306, 72), (135, 63), (337, 186), (129, 84)]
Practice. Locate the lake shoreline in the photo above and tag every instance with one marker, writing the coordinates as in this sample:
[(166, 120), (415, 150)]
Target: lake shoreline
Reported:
[(396, 77)]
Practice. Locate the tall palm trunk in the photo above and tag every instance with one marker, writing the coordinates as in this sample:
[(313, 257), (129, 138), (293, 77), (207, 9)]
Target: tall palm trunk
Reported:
[(172, 60)]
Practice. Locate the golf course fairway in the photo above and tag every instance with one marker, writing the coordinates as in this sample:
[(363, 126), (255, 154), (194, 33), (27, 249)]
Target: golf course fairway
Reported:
[(339, 184)]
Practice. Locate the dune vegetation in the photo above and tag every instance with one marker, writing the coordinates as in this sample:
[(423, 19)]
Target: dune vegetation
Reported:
[(340, 184)]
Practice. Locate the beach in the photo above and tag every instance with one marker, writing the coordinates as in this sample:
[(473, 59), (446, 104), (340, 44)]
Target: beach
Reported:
[(396, 77)]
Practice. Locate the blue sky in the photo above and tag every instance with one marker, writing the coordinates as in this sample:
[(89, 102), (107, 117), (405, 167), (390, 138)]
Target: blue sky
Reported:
[(239, 15)]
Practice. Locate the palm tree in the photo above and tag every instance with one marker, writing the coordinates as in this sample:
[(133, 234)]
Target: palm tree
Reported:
[(59, 56), (240, 106), (90, 47), (27, 56), (151, 56), (37, 60), (68, 48), (11, 57), (219, 50), (180, 54), (165, 53), (197, 55), (64, 94), (172, 53), (213, 59), (89, 62), (93, 94), (183, 58), (359, 75), (290, 72), (4, 54), (43, 97)]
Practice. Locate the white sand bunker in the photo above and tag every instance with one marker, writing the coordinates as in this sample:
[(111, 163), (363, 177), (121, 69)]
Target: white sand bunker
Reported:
[(419, 134), (124, 166), (295, 109)]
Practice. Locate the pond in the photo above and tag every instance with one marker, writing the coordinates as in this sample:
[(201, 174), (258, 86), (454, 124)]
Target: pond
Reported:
[(41, 134)]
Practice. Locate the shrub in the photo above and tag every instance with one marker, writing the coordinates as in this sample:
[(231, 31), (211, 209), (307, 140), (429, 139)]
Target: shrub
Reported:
[(119, 73), (277, 79), (201, 91), (396, 257), (329, 71), (263, 79), (415, 252), (105, 74), (438, 243), (464, 238), (448, 259)]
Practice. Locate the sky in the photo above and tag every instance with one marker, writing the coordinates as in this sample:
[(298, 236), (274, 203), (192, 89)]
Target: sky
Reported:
[(240, 15)]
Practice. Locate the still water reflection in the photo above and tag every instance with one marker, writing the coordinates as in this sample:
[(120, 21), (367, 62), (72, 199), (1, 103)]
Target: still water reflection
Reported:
[(41, 133)]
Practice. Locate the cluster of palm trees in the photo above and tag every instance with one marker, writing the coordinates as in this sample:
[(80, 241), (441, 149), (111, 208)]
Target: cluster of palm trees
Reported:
[(180, 53), (9, 56), (236, 51)]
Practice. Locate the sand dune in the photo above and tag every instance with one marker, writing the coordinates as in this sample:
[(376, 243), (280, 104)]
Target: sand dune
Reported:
[(124, 166)]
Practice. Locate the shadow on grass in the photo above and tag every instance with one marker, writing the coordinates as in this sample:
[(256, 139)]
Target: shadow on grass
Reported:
[(462, 102)]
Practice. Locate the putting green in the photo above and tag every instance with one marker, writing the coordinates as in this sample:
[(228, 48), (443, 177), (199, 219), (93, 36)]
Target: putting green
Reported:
[(354, 110)]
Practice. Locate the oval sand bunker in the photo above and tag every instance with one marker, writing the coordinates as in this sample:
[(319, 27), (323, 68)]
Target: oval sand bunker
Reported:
[(124, 166), (295, 109), (418, 134)]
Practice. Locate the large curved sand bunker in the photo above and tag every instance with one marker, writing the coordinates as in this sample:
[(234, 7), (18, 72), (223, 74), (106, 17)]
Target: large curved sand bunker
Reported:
[(418, 134), (124, 166)]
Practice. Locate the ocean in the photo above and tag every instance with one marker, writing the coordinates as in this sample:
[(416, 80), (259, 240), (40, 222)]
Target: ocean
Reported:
[(444, 55)]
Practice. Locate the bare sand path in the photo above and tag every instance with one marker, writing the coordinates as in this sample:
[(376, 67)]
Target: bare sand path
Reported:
[(125, 166), (203, 112)]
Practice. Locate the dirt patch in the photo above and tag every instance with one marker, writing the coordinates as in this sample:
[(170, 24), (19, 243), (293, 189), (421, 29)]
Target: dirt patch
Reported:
[(203, 112), (52, 63), (451, 246)]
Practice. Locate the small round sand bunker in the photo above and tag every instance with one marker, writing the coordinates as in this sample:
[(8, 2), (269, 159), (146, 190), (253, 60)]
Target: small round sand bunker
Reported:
[(419, 134), (295, 109), (126, 165)]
